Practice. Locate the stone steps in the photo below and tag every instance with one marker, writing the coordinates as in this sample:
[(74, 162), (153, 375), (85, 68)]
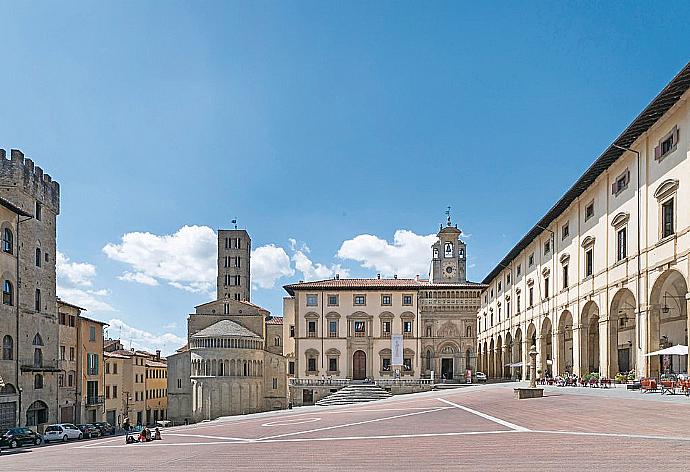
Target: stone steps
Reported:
[(354, 394)]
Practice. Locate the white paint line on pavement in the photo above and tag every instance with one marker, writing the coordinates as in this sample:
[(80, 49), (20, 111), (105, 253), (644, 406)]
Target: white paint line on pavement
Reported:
[(209, 437), (485, 416), (344, 438), (376, 420)]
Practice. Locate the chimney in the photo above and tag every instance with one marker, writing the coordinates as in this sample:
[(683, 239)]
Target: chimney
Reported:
[(395, 276), (417, 278), (337, 276), (158, 354), (378, 276)]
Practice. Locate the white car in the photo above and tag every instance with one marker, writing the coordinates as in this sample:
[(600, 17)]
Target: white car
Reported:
[(62, 432), (481, 377)]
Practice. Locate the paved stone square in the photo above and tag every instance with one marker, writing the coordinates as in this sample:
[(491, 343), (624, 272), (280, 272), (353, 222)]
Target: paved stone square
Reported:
[(475, 428)]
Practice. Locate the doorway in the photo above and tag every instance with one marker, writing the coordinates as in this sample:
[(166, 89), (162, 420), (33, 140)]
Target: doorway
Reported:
[(359, 365), (447, 369)]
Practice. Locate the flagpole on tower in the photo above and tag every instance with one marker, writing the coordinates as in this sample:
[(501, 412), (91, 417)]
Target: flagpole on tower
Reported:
[(234, 222)]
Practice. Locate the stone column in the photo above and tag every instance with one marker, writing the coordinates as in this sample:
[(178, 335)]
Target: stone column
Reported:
[(604, 346), (540, 355), (577, 350), (533, 367), (525, 359), (556, 353)]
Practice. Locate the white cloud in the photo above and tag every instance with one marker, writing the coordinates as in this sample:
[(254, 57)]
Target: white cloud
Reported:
[(77, 273), (408, 256), (185, 259), (316, 271), (92, 300), (140, 339), (269, 263), (138, 277)]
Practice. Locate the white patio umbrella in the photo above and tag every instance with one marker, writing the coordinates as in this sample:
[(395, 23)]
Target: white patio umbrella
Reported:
[(677, 350)]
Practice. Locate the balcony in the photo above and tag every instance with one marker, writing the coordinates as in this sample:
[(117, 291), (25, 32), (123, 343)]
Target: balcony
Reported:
[(95, 400)]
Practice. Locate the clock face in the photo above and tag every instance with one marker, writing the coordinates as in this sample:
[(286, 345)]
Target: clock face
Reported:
[(449, 271)]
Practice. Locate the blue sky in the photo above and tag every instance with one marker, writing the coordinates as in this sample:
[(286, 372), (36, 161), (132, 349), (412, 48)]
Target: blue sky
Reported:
[(314, 124)]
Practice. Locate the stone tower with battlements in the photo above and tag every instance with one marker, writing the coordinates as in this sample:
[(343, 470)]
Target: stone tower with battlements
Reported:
[(234, 254)]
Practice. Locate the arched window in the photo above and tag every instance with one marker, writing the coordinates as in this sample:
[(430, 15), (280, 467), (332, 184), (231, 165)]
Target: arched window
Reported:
[(7, 293), (428, 331), (7, 240), (38, 357), (38, 340), (469, 331), (38, 381), (7, 348), (38, 257)]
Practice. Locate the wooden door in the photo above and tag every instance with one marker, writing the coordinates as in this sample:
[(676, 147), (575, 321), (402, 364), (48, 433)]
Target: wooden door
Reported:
[(359, 365)]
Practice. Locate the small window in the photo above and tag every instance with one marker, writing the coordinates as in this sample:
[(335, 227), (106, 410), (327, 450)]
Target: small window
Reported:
[(360, 300), (667, 224), (589, 262), (622, 244), (508, 278), (38, 382), (667, 144), (332, 364), (38, 257), (92, 333), (517, 304), (386, 329), (407, 363), (385, 300), (546, 287), (7, 293), (621, 183), (407, 327), (311, 364), (499, 286), (332, 329), (7, 240), (333, 300), (385, 364), (37, 299), (589, 211), (519, 269), (312, 300), (547, 247), (292, 331), (407, 300), (291, 368), (531, 297), (565, 276), (565, 231), (275, 383), (530, 260), (39, 211), (311, 329), (360, 328)]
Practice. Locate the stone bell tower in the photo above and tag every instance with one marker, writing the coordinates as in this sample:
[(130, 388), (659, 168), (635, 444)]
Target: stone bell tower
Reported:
[(449, 257)]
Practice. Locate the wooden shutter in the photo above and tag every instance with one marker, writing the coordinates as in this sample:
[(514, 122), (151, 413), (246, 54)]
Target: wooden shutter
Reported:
[(613, 188), (657, 152), (675, 135)]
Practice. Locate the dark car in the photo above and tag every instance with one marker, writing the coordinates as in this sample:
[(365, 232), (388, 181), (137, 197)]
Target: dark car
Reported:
[(105, 427), (15, 437), (89, 430)]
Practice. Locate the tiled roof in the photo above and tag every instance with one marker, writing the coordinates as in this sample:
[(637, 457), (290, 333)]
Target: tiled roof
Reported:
[(373, 284), (184, 348), (232, 301), (276, 320), (156, 364), (116, 355), (224, 328)]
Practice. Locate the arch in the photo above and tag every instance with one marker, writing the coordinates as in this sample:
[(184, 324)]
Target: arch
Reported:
[(566, 355), (518, 353), (668, 320), (546, 348), (429, 359), (38, 340), (8, 389), (589, 338), (37, 413), (622, 342), (499, 357)]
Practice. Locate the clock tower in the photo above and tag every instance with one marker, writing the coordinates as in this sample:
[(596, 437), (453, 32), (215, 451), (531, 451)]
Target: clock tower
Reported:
[(449, 258)]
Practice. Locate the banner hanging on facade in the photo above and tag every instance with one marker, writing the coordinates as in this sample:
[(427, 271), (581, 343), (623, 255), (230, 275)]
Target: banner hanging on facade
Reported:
[(396, 349)]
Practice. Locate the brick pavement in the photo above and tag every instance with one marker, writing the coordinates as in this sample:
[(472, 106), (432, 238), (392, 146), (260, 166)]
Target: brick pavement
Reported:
[(478, 428)]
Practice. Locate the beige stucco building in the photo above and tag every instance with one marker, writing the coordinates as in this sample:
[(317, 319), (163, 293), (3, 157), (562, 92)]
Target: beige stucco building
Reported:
[(30, 203), (602, 279), (125, 384), (233, 362), (344, 329)]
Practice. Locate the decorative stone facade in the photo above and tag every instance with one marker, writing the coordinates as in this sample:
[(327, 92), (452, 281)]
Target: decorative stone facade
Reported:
[(602, 280), (233, 362), (28, 314)]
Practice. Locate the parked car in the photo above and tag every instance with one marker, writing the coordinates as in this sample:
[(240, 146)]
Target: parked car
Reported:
[(15, 437), (89, 430), (481, 377), (105, 427), (62, 432)]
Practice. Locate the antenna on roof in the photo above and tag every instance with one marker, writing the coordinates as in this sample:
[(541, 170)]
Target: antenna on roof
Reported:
[(448, 215), (234, 222)]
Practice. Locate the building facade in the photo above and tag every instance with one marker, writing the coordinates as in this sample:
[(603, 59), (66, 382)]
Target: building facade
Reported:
[(91, 383), (156, 388), (232, 363), (28, 315), (601, 281), (68, 362), (345, 329)]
